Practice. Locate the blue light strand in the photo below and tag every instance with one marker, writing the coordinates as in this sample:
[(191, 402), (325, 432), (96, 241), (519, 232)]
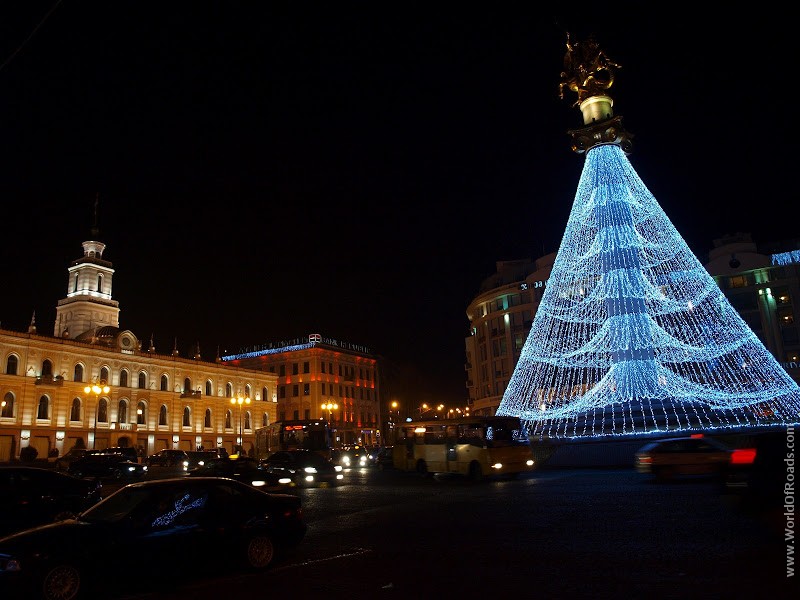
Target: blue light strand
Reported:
[(632, 334)]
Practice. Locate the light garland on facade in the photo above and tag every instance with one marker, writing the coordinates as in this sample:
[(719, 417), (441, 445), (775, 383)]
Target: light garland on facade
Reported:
[(633, 335)]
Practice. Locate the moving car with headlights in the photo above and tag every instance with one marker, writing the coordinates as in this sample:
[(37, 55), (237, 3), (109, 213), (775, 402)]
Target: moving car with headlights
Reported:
[(351, 456), (681, 457), (194, 524), (244, 469), (303, 468), (107, 466), (32, 496), (198, 458), (169, 461)]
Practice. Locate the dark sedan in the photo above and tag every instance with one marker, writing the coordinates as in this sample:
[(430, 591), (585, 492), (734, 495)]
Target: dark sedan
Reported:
[(33, 496), (107, 465), (246, 470), (183, 522), (303, 468)]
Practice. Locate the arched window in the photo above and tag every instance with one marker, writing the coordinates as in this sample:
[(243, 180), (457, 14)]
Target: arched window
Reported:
[(43, 412), (247, 420), (228, 390), (187, 417), (122, 411), (47, 368), (75, 286), (77, 373), (12, 364), (104, 375), (162, 415), (8, 406), (187, 385), (141, 417), (228, 417), (75, 410), (100, 283), (265, 394), (142, 380), (164, 383), (247, 390), (264, 420), (123, 378), (102, 411), (207, 419), (209, 388)]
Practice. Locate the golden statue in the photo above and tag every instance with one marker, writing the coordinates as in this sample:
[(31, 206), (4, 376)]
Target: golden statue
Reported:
[(587, 70)]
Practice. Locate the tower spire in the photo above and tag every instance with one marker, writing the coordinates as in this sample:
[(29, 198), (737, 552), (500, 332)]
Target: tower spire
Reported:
[(95, 225)]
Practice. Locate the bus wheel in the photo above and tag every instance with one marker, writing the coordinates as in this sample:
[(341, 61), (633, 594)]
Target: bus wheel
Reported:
[(475, 472), (422, 468)]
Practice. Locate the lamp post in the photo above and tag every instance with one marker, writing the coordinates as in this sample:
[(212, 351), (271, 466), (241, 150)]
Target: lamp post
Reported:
[(330, 407), (96, 389), (240, 400)]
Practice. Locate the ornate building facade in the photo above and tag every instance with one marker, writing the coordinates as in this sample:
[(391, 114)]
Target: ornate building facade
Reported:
[(324, 378), (152, 400)]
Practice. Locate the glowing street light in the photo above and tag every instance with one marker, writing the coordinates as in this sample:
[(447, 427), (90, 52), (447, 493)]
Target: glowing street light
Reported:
[(240, 400), (96, 389)]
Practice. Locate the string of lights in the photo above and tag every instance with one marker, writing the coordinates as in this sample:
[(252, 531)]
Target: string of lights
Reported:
[(632, 334)]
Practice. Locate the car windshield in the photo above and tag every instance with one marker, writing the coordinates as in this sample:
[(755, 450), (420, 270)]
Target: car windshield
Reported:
[(117, 506)]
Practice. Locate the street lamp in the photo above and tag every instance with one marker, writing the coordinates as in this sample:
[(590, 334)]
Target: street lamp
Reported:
[(330, 407), (240, 400), (96, 389)]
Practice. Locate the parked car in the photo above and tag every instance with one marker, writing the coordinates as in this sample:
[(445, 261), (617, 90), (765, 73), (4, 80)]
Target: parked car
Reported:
[(33, 496), (107, 465), (384, 459), (128, 452), (169, 459), (62, 462), (192, 524), (244, 469), (303, 468), (687, 456)]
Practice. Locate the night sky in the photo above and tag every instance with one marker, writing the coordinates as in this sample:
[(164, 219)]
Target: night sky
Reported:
[(269, 170)]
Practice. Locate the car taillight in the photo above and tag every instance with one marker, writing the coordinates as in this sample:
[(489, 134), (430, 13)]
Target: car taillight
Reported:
[(743, 456)]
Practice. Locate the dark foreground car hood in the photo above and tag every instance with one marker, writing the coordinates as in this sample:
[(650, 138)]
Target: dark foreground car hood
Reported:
[(71, 532)]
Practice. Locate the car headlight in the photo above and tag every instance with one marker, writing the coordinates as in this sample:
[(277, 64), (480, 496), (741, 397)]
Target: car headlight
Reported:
[(310, 470), (337, 468), (497, 466), (258, 483), (529, 462)]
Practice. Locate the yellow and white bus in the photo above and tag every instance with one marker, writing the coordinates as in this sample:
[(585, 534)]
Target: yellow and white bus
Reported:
[(476, 446)]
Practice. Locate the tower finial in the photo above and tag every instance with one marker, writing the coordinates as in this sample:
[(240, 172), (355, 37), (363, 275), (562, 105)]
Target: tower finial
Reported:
[(95, 226)]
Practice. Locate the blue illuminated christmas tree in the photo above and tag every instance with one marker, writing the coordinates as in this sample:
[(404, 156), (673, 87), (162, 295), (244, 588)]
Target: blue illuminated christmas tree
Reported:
[(632, 334)]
